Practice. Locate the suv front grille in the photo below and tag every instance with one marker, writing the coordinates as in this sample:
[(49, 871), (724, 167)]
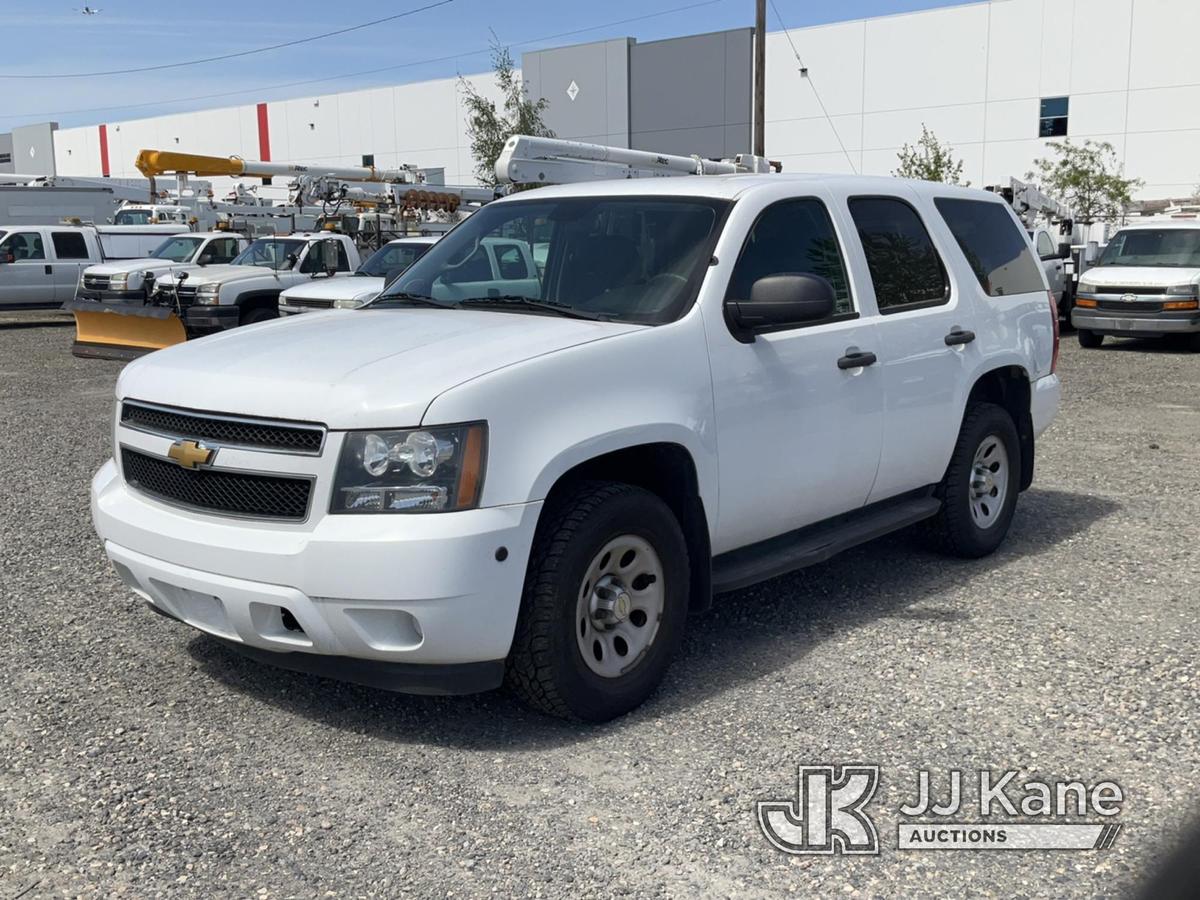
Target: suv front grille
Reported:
[(218, 491), (286, 437)]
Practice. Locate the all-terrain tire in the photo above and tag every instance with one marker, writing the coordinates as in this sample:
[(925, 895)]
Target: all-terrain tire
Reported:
[(955, 529), (546, 667)]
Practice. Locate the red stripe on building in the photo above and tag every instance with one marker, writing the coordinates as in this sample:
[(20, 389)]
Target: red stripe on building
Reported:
[(264, 134), (104, 150)]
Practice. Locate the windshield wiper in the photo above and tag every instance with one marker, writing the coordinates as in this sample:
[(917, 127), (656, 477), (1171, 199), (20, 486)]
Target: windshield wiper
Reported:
[(403, 299), (516, 301)]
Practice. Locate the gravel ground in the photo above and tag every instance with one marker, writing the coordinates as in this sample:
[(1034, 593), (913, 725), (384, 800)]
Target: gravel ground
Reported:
[(140, 757)]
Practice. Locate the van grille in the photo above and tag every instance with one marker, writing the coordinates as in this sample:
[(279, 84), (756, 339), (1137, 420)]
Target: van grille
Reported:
[(286, 437), (1119, 290), (217, 490)]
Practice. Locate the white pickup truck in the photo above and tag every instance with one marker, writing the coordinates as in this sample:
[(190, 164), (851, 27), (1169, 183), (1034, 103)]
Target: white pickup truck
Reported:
[(369, 279), (247, 290), (133, 280), (40, 265), (712, 381)]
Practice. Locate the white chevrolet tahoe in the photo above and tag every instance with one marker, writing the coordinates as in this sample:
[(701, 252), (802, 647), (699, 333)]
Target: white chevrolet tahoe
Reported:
[(369, 279), (713, 381), (247, 290), (132, 280), (1146, 283)]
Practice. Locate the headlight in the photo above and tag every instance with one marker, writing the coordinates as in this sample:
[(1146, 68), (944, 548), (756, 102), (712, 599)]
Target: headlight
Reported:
[(1085, 287), (208, 294), (1183, 290), (118, 282), (414, 471), (348, 304)]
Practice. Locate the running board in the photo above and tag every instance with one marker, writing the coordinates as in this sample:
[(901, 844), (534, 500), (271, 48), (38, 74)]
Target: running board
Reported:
[(816, 543)]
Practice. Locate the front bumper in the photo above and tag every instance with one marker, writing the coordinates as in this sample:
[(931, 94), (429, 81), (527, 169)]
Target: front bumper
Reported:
[(1136, 323), (211, 318), (94, 296), (362, 598)]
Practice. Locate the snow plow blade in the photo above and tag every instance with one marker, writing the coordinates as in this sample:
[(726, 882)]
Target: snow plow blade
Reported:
[(122, 331)]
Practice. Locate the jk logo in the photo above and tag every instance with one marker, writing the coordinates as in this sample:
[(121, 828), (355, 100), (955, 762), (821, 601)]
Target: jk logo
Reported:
[(827, 815)]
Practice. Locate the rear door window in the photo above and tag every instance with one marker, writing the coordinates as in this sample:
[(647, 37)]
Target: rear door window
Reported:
[(904, 265), (69, 245), (993, 245), (793, 237)]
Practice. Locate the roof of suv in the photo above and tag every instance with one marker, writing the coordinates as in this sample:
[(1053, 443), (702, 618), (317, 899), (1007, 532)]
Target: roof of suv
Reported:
[(733, 186)]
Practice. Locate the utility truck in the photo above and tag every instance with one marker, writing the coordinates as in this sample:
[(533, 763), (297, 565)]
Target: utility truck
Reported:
[(368, 279), (713, 380)]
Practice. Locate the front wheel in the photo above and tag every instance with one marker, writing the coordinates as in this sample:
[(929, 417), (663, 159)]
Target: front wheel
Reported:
[(1089, 339), (604, 604), (258, 314), (979, 490)]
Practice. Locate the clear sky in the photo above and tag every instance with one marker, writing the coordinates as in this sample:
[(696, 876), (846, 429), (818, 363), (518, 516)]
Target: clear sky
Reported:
[(53, 36)]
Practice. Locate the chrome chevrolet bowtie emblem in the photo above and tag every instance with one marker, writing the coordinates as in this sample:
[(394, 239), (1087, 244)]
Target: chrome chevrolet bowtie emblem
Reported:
[(1128, 298), (190, 454)]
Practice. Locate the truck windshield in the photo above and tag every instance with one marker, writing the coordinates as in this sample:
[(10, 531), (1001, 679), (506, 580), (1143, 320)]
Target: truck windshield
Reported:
[(132, 217), (270, 253), (1177, 248), (633, 259), (177, 249), (391, 259)]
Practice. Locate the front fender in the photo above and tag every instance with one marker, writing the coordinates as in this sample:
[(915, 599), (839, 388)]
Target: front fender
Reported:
[(548, 414)]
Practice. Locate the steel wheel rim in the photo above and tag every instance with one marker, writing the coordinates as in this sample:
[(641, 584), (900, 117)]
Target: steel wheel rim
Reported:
[(619, 608), (989, 481)]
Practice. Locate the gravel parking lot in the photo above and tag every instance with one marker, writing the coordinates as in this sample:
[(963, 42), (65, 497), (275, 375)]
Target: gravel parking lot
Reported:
[(139, 757)]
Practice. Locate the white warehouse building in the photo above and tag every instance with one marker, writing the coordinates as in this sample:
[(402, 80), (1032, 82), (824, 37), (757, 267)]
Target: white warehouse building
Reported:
[(996, 80)]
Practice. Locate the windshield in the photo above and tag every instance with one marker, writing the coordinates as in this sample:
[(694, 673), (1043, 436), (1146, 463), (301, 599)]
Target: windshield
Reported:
[(132, 217), (391, 259), (270, 253), (1176, 248), (635, 259), (177, 249)]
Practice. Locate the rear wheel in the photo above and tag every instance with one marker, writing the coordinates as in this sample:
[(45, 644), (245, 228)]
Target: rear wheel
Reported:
[(1089, 339), (604, 604), (979, 491)]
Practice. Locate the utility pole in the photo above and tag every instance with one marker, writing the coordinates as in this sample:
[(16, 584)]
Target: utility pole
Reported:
[(760, 77)]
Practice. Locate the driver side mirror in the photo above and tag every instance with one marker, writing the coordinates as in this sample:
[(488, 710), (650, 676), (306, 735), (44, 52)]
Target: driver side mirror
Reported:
[(1064, 251), (780, 301), (292, 258)]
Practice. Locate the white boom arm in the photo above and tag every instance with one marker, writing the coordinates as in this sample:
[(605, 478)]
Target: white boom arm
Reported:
[(1029, 202), (537, 160)]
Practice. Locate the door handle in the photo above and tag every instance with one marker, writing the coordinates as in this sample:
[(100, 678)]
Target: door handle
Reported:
[(49, 270), (857, 359), (957, 337)]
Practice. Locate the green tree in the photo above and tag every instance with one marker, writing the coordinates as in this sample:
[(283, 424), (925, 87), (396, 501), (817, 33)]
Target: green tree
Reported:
[(1086, 177), (929, 160), (488, 127)]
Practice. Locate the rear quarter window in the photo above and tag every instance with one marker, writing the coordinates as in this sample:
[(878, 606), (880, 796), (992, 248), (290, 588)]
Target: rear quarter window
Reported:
[(994, 246)]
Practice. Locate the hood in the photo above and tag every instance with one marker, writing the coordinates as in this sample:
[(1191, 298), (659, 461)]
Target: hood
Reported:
[(352, 287), (1139, 276), (224, 274), (366, 369), (143, 266)]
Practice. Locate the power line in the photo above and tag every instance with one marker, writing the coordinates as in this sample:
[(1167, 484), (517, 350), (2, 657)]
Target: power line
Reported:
[(407, 65), (240, 53), (812, 84)]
